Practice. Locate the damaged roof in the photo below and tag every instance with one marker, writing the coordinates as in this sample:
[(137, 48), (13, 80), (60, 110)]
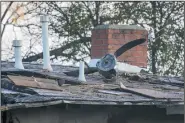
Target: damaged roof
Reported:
[(33, 87)]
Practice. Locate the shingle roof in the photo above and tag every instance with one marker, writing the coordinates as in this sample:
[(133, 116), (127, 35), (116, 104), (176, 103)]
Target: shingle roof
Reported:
[(94, 91)]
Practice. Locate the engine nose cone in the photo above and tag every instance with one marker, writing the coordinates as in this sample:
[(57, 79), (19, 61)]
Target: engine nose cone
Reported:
[(106, 66)]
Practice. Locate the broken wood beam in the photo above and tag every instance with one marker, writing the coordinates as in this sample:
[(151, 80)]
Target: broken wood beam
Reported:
[(41, 74)]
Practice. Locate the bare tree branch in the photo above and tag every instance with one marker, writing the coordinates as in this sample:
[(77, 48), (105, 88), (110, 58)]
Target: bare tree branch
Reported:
[(57, 52), (6, 10)]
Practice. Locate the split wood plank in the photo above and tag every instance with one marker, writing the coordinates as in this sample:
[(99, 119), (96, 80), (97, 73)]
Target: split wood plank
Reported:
[(35, 82), (153, 93)]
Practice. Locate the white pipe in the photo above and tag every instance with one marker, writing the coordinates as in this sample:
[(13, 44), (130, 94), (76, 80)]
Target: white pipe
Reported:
[(81, 72), (17, 44), (46, 54)]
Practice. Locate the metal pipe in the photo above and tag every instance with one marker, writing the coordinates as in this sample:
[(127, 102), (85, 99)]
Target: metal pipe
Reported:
[(46, 54), (17, 44), (81, 72)]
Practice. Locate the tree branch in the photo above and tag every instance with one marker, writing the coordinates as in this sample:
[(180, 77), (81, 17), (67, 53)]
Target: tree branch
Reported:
[(58, 51), (9, 5)]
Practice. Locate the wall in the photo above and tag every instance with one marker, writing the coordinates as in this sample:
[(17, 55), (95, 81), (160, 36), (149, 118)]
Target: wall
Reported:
[(93, 114)]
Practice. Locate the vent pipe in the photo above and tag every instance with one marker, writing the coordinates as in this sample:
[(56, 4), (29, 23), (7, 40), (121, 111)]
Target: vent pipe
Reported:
[(81, 72), (17, 44), (46, 54)]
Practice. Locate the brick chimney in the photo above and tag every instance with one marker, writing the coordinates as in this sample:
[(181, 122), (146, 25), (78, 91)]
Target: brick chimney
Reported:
[(108, 38)]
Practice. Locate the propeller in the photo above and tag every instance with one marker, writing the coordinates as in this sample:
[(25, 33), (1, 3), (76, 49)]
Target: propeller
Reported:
[(128, 46), (106, 66)]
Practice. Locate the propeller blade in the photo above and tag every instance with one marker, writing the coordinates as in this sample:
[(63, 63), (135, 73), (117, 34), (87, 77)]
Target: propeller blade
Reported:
[(128, 46)]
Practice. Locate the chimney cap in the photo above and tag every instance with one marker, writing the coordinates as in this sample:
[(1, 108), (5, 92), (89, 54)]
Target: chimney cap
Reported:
[(129, 27), (44, 18), (17, 43)]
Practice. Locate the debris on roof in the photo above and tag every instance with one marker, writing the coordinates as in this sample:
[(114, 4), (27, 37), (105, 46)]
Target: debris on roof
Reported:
[(34, 88)]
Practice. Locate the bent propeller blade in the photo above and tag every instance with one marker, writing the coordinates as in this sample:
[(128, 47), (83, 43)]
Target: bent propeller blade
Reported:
[(128, 46)]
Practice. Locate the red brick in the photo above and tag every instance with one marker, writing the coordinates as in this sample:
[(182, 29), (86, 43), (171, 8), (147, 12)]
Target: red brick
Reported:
[(145, 33), (144, 44), (96, 36), (145, 49), (99, 47), (139, 64), (93, 32), (144, 36), (134, 32), (97, 42), (100, 36), (110, 51), (140, 48), (102, 31), (109, 36), (122, 36), (122, 31), (145, 64), (115, 36), (138, 36), (113, 42), (139, 32), (137, 53), (145, 54), (125, 55), (132, 63), (126, 31), (140, 59), (133, 49), (93, 37), (112, 31), (96, 53), (128, 37), (130, 59), (113, 47), (103, 36), (122, 41)]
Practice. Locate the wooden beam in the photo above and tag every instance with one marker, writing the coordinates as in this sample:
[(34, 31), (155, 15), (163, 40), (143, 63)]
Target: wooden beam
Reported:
[(155, 94), (35, 82)]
